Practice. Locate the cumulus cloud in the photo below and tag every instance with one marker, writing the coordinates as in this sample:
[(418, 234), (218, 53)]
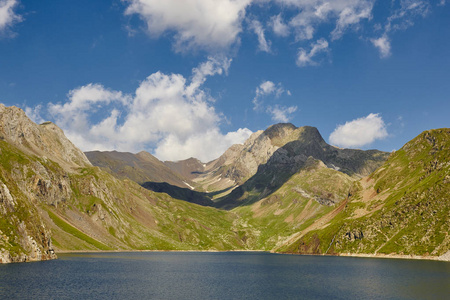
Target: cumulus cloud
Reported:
[(264, 89), (305, 58), (204, 24), (205, 145), (7, 15), (34, 113), (281, 113), (359, 132), (278, 26), (168, 113), (263, 44), (384, 46)]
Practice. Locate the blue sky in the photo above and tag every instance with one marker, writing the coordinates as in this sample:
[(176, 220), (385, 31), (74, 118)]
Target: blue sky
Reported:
[(182, 78)]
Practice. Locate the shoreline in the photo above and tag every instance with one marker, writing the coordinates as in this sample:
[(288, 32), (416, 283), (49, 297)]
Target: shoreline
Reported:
[(129, 251), (444, 258)]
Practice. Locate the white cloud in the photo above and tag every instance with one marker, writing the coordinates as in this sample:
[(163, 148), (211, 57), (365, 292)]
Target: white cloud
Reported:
[(207, 145), (204, 24), (263, 44), (312, 13), (351, 15), (278, 26), (34, 114), (167, 113), (7, 15), (281, 113), (401, 18), (264, 89), (305, 58), (384, 46), (278, 113), (359, 132)]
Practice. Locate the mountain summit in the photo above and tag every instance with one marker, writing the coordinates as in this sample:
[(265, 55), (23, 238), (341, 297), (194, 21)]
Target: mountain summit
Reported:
[(287, 189)]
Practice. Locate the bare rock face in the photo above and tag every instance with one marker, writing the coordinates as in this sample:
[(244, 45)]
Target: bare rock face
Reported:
[(45, 140), (293, 146), (240, 162), (25, 237)]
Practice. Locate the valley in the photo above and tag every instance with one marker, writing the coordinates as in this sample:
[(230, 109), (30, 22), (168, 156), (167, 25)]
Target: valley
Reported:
[(284, 190)]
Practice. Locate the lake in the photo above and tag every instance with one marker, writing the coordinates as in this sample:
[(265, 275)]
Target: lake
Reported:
[(223, 275)]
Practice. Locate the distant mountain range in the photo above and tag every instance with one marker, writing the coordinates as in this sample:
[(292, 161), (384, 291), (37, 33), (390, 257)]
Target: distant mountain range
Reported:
[(285, 190)]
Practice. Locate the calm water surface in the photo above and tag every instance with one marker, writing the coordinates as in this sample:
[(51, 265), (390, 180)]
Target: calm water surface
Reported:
[(235, 275)]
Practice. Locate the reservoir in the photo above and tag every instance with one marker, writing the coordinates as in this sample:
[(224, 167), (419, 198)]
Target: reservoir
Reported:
[(223, 275)]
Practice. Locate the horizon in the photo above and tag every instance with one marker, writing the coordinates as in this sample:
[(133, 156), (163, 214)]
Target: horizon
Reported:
[(190, 79)]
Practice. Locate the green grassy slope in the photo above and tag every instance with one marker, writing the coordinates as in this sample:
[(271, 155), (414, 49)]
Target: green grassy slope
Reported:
[(408, 213), (308, 195), (89, 209)]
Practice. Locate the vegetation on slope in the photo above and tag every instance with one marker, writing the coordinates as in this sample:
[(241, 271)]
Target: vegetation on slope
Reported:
[(308, 195), (409, 212)]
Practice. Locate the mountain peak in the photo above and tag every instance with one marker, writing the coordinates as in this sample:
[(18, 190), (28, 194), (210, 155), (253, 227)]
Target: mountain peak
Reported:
[(283, 133), (46, 139), (279, 130)]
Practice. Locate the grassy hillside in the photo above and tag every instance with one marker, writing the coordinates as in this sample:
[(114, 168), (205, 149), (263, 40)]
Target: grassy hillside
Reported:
[(89, 209), (402, 208), (307, 198), (308, 195)]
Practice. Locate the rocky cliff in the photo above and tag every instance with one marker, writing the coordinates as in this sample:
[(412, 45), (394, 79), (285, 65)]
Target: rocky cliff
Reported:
[(296, 146), (297, 195), (51, 199)]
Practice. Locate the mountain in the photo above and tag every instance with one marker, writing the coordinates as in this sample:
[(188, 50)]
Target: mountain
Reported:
[(272, 155), (314, 191), (295, 146), (53, 199), (188, 168), (402, 208), (284, 190), (140, 167)]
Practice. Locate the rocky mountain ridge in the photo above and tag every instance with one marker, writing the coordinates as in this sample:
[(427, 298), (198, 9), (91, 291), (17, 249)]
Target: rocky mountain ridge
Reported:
[(299, 145), (140, 167), (52, 198), (403, 207), (304, 196)]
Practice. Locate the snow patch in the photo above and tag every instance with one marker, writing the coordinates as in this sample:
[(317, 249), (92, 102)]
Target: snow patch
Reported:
[(190, 186)]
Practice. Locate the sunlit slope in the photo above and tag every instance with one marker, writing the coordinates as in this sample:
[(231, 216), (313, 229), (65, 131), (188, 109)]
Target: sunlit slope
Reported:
[(292, 157), (308, 195), (85, 208), (402, 208)]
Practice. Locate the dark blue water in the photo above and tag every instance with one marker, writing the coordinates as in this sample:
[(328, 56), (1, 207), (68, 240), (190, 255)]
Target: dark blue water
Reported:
[(238, 275)]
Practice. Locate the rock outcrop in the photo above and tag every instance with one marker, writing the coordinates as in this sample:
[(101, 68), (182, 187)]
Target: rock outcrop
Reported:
[(52, 198), (296, 146), (45, 140)]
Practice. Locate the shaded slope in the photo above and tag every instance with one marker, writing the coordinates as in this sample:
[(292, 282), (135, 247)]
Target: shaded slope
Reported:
[(309, 194), (179, 193), (292, 156), (140, 167), (86, 208), (402, 208), (188, 168)]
